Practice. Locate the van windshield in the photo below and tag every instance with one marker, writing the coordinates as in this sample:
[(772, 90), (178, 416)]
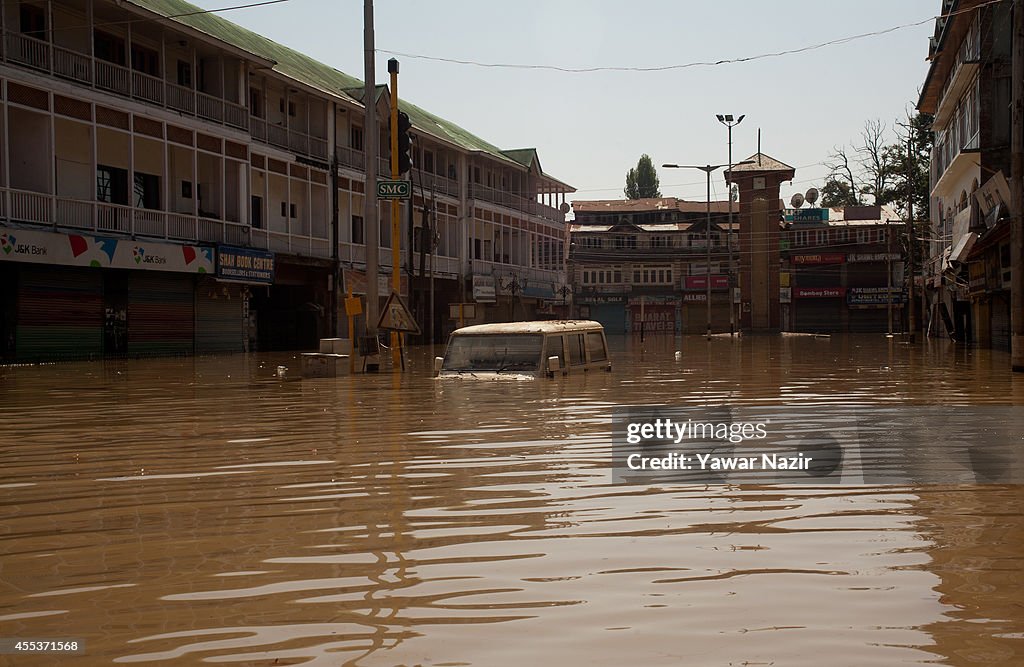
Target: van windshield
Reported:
[(494, 352)]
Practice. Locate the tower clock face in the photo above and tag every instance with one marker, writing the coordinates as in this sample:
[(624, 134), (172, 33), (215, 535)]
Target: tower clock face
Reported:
[(759, 183)]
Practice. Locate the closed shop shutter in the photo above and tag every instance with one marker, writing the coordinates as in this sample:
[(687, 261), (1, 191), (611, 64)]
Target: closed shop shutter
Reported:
[(818, 315), (1000, 322), (612, 317), (219, 318), (60, 314), (161, 314), (873, 320)]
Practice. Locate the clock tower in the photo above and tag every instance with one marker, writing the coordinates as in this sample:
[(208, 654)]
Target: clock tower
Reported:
[(760, 221)]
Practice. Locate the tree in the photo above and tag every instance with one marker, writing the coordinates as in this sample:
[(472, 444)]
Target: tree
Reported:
[(642, 181), (876, 171)]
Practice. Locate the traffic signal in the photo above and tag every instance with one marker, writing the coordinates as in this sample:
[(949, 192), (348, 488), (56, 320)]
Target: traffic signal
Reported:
[(404, 143)]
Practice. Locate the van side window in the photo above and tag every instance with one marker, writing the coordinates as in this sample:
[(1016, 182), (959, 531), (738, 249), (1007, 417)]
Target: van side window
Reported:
[(577, 356), (595, 346), (555, 349)]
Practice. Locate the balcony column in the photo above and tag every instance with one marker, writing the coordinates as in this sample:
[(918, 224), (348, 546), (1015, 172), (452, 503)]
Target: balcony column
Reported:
[(49, 30)]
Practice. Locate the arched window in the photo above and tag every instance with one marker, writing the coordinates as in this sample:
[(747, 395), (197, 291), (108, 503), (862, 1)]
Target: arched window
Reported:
[(963, 200)]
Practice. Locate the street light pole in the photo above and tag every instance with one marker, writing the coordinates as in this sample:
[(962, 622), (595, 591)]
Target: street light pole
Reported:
[(727, 120), (707, 169)]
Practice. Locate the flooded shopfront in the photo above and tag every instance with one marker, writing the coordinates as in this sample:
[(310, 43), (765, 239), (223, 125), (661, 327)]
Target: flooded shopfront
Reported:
[(207, 509)]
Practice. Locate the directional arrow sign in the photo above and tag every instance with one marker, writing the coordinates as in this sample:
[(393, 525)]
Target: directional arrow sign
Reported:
[(394, 189)]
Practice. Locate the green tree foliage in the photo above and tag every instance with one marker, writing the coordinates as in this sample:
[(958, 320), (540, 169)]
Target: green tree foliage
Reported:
[(642, 181), (874, 171)]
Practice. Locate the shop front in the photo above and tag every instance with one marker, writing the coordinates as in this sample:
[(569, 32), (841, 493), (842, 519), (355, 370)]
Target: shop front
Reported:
[(79, 297), (818, 309)]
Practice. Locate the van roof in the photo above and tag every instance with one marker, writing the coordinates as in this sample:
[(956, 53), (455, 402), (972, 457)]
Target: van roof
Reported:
[(536, 327)]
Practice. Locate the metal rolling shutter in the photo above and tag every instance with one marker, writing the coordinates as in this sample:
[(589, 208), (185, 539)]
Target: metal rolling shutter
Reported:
[(219, 318), (60, 314), (818, 315), (612, 317), (873, 320), (161, 314), (1000, 323)]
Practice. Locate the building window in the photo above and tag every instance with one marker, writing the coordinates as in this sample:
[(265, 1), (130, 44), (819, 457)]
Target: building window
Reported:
[(145, 60), (256, 102), (184, 74), (428, 162), (147, 191), (636, 277), (256, 212), (108, 47), (357, 229), (111, 185), (33, 21), (355, 137), (618, 277)]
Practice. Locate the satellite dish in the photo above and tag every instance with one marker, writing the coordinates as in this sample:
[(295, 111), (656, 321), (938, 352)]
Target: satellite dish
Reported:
[(811, 196), (797, 201), (564, 208)]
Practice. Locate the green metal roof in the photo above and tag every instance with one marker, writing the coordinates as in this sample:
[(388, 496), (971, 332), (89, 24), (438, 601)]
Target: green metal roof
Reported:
[(308, 71)]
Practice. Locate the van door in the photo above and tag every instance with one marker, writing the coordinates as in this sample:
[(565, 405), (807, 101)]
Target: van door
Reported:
[(577, 351)]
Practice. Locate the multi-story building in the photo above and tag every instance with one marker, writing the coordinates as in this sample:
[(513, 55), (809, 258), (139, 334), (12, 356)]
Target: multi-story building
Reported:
[(647, 262), (173, 183), (843, 270), (967, 90)]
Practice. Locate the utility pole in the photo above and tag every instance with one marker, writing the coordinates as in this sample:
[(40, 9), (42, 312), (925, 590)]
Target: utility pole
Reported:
[(1017, 193), (911, 241), (396, 232), (888, 273), (370, 138)]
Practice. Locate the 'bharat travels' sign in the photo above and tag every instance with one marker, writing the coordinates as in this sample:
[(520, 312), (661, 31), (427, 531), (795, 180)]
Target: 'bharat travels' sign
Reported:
[(245, 265), (37, 247)]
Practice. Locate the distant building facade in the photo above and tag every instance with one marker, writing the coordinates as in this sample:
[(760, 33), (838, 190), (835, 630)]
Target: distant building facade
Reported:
[(645, 264), (968, 91), (171, 183), (843, 270)]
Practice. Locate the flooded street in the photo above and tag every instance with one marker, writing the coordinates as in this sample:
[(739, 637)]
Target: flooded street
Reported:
[(202, 510)]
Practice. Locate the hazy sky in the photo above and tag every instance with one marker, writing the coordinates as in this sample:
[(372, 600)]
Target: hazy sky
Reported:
[(589, 128)]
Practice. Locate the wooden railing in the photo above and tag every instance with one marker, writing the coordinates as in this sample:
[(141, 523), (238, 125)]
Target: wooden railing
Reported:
[(104, 218)]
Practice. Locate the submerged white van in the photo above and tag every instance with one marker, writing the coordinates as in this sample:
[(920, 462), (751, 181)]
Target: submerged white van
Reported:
[(544, 348)]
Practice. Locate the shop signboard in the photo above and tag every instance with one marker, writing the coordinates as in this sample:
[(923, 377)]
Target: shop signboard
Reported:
[(824, 258), (818, 292), (245, 265), (718, 282), (39, 247)]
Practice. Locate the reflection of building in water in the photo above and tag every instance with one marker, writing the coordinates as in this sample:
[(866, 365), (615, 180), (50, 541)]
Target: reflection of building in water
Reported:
[(975, 539)]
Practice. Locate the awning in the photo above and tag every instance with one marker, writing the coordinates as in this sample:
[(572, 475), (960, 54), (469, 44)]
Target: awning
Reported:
[(963, 247)]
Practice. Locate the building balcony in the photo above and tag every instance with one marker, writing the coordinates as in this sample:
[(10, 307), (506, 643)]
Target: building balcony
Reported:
[(484, 267), (42, 56), (287, 138), (515, 202), (102, 218)]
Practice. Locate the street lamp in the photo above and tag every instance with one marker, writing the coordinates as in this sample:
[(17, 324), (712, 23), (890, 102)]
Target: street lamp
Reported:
[(727, 120), (707, 169)]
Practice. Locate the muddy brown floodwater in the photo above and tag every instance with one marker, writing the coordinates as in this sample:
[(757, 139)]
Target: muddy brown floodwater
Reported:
[(191, 511)]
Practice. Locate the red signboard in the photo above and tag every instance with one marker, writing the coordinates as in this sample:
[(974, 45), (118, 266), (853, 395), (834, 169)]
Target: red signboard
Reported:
[(828, 258), (701, 282), (818, 292)]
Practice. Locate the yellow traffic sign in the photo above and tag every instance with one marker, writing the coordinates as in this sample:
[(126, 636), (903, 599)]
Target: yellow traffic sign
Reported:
[(396, 317), (353, 306)]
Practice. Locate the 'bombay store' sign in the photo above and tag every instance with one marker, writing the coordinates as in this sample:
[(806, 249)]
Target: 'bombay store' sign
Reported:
[(27, 245)]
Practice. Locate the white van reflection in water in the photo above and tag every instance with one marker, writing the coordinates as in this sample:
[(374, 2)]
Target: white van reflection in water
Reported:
[(548, 348)]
